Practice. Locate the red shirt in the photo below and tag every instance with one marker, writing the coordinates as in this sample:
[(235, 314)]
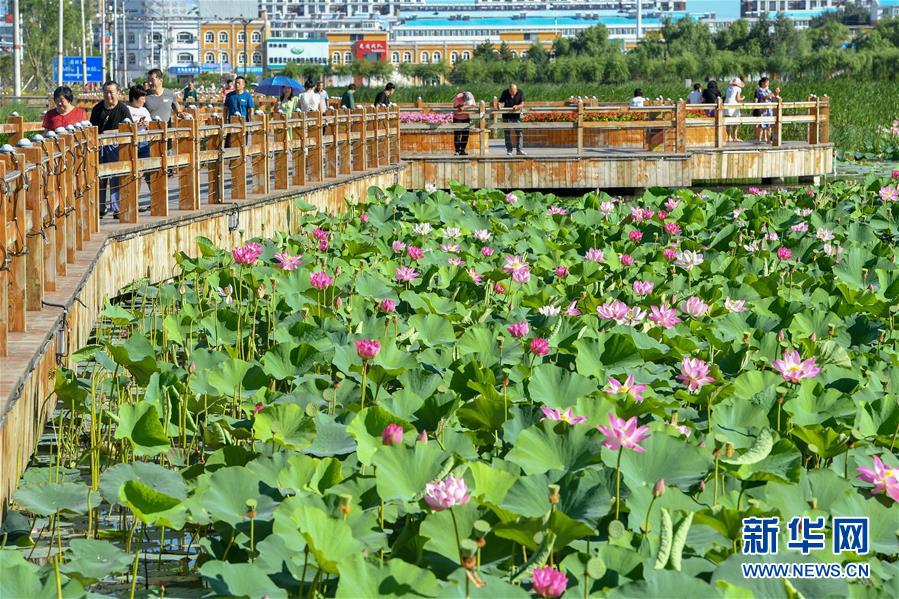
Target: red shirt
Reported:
[(53, 119)]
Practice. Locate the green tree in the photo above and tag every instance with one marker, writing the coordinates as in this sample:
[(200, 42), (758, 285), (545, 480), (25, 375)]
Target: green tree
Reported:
[(831, 34), (538, 55), (591, 41), (39, 35), (484, 51), (505, 52)]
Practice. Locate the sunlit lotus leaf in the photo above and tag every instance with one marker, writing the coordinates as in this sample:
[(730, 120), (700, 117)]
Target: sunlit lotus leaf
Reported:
[(286, 425), (136, 355), (541, 448), (156, 477), (676, 460), (140, 424), (93, 560), (152, 507), (224, 494), (239, 580), (402, 472), (433, 329), (395, 578), (47, 498), (330, 540), (552, 386)]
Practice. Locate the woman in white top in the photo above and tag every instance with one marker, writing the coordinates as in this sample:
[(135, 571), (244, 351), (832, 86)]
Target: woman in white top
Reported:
[(733, 95), (137, 96)]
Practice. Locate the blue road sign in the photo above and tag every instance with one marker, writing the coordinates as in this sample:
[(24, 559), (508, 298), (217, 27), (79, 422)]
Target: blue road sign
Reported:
[(71, 69)]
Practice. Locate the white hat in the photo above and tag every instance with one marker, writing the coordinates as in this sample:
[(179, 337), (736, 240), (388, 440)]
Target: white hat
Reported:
[(736, 81)]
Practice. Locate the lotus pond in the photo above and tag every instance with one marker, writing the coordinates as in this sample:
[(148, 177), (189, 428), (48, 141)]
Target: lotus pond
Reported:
[(473, 393)]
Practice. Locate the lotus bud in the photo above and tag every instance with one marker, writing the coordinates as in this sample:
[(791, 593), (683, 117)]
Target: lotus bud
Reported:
[(659, 489), (182, 289), (701, 486), (346, 505), (260, 291), (717, 453), (251, 508), (780, 335), (674, 419), (746, 338), (192, 368), (338, 303), (729, 450), (422, 437), (554, 497), (831, 330), (814, 336)]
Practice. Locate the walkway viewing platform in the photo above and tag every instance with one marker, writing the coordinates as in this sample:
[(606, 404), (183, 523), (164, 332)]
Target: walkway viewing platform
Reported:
[(228, 182)]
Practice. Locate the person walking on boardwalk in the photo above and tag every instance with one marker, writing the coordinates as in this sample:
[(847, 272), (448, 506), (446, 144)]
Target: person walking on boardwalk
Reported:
[(160, 102), (348, 99), (107, 115), (239, 102), (137, 98), (764, 95), (189, 93), (733, 95), (65, 113), (310, 100), (695, 96), (710, 95), (512, 99), (383, 97), (462, 101)]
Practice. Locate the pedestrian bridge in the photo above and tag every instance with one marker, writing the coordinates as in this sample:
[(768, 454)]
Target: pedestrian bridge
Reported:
[(60, 263)]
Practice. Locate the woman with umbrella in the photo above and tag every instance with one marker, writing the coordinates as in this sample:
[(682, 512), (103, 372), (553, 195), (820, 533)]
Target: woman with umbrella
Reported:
[(286, 89)]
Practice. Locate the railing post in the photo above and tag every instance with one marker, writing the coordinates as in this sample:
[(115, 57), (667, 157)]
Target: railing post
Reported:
[(301, 152), (813, 111), (318, 155), (777, 137), (82, 187), (580, 127), (189, 174), (35, 239), (720, 132), (239, 165), (824, 121), (16, 301), (18, 121), (376, 148), (363, 141), (419, 104), (261, 166), (67, 189), (129, 185), (159, 179), (482, 128), (397, 137), (57, 182), (281, 148), (216, 169), (332, 149), (346, 159), (46, 215), (93, 177), (680, 127)]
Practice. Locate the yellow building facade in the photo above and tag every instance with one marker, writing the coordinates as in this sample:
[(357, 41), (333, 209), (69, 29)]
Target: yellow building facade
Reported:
[(222, 44)]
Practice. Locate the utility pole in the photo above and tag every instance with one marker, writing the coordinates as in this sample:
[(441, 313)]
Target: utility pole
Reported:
[(16, 50), (83, 49), (59, 46), (246, 55), (101, 8), (114, 63), (124, 46), (639, 19)]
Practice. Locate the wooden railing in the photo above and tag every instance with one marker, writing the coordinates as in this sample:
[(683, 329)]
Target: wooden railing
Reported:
[(588, 124), (49, 188)]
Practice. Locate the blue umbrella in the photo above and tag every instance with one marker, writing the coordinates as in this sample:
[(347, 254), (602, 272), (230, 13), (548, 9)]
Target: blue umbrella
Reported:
[(273, 86)]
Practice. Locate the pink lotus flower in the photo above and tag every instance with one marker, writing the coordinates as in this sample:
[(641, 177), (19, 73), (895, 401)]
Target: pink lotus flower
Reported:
[(793, 368), (689, 259), (732, 305), (663, 316), (557, 210), (566, 416), (627, 260), (695, 307), (757, 191), (824, 234), (572, 310), (500, 289), (669, 253), (511, 198), (889, 193), (681, 428), (561, 271), (616, 310), (387, 306), (481, 234), (885, 480), (444, 494), (549, 583), (894, 174), (404, 274), (247, 254), (320, 280), (415, 253), (367, 348), (629, 388), (672, 204), (320, 234), (452, 248), (799, 227), (784, 253), (323, 246), (475, 276), (363, 217), (672, 228), (514, 263), (518, 329), (392, 434), (522, 275), (643, 288), (259, 407), (486, 251), (594, 255), (637, 214), (539, 346), (694, 373), (455, 261), (398, 246), (636, 235), (607, 207), (621, 433), (422, 437), (661, 215), (288, 262)]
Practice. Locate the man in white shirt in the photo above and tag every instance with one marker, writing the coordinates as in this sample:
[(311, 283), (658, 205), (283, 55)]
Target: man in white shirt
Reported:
[(310, 100), (323, 94), (638, 99)]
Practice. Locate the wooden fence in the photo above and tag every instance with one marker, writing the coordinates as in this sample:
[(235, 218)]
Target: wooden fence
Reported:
[(50, 188), (582, 124)]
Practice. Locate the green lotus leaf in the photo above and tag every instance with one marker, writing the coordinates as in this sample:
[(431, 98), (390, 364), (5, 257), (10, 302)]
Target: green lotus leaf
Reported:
[(287, 360), (152, 507), (161, 479), (402, 472), (554, 387), (140, 424), (239, 580), (47, 498), (671, 458), (330, 540), (395, 578), (225, 492), (136, 355), (433, 330), (543, 447), (286, 425), (94, 560)]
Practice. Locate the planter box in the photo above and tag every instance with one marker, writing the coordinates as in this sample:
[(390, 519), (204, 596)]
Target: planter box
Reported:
[(656, 140), (436, 142)]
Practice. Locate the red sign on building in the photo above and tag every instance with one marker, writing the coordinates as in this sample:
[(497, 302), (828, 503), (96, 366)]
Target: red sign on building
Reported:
[(371, 50)]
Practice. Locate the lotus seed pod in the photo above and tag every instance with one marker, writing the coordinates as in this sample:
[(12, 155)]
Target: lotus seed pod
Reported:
[(554, 497), (729, 450)]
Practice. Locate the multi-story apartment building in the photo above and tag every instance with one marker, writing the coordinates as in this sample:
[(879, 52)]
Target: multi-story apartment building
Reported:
[(884, 9), (756, 8)]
